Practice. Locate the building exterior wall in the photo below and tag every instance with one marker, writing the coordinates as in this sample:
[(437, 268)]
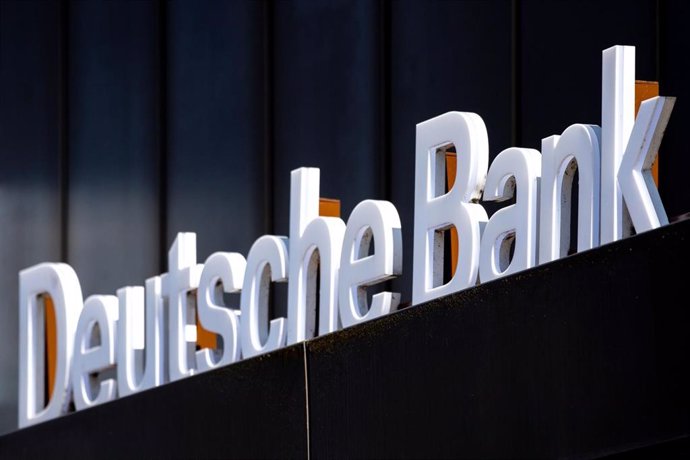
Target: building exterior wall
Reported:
[(123, 123)]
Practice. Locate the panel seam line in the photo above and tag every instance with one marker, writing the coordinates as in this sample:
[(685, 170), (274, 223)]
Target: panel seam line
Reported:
[(306, 399)]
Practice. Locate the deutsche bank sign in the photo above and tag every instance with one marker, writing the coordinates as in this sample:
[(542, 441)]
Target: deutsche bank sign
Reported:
[(147, 334)]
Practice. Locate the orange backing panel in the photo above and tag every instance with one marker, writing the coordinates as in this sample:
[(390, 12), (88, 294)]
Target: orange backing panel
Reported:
[(451, 169), (205, 338), (646, 90), (328, 207), (50, 344)]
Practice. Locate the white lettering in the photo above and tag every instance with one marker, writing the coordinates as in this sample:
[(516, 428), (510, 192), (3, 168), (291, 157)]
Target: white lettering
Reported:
[(377, 220), (135, 317), (94, 352), (126, 336), (61, 283), (635, 173), (436, 211), (315, 244), (617, 118), (183, 277), (267, 261), (513, 168), (227, 269), (577, 148)]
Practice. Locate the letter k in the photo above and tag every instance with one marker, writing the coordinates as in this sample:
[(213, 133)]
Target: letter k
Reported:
[(634, 174)]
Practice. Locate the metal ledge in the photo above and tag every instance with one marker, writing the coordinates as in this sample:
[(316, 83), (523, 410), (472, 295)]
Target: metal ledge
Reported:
[(586, 356)]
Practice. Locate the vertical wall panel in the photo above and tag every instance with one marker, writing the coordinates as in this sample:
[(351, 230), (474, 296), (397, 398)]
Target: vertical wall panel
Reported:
[(561, 59), (326, 73), (113, 178), (215, 124), (335, 84), (674, 78), (29, 166), (446, 56)]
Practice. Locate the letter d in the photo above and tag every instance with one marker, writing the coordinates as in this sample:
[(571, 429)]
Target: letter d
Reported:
[(61, 283)]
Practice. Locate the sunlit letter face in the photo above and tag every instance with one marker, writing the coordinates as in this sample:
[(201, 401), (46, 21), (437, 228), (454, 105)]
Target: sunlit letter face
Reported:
[(140, 335), (61, 283), (514, 168), (617, 117), (226, 269), (377, 220), (635, 174), (578, 146), (267, 261), (435, 211), (182, 277), (315, 244), (94, 352), (629, 147)]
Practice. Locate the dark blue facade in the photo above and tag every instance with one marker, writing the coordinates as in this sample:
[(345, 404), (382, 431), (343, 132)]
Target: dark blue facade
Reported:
[(123, 123)]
